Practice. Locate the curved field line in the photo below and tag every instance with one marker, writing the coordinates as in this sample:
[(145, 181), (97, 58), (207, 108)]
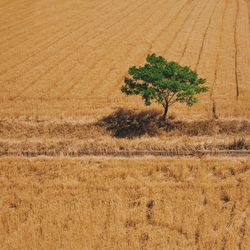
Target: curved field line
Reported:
[(93, 65), (205, 36), (69, 45), (181, 27), (191, 30), (161, 32), (178, 31), (150, 44), (236, 51), (248, 6), (50, 18), (47, 46), (217, 54), (27, 59), (7, 3), (10, 7), (25, 19), (38, 27), (67, 55), (173, 19), (23, 14), (101, 58)]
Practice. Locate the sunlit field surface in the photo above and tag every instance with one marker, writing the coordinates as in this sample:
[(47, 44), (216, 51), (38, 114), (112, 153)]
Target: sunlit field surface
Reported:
[(68, 58), (77, 174), (118, 203)]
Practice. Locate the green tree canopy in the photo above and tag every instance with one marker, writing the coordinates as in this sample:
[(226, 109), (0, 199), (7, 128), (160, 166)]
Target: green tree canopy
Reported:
[(163, 82)]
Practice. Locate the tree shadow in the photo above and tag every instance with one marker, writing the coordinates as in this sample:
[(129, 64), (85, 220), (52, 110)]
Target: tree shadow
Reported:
[(125, 123)]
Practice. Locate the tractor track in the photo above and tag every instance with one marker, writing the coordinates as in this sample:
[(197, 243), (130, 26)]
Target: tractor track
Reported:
[(127, 153)]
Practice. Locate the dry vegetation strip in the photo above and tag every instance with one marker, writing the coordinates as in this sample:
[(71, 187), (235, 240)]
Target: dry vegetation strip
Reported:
[(123, 133), (68, 58), (95, 203)]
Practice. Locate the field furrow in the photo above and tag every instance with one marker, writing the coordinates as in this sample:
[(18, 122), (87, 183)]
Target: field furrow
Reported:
[(42, 42), (137, 45), (205, 37), (218, 49), (243, 45), (193, 46), (161, 39), (69, 53), (46, 52), (80, 51), (236, 51), (107, 56)]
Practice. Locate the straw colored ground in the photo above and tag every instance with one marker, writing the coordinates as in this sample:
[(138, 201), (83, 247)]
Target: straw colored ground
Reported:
[(115, 203), (62, 64), (68, 58)]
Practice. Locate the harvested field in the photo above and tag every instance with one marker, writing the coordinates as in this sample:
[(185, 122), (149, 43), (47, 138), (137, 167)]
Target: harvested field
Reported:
[(68, 58), (122, 134), (124, 204), (78, 165)]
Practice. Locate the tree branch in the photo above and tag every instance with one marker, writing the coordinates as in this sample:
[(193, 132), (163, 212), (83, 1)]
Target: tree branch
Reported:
[(169, 101)]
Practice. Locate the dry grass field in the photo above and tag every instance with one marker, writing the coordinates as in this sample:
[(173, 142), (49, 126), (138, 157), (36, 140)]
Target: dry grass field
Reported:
[(77, 174), (107, 203), (67, 58)]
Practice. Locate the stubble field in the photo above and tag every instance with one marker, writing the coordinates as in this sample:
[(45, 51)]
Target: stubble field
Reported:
[(62, 66), (68, 58), (107, 203)]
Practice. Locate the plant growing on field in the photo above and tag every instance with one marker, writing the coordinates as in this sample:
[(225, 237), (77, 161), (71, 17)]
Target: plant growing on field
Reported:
[(163, 82)]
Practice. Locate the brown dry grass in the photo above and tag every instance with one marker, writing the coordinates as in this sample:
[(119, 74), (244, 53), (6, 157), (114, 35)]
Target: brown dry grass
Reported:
[(62, 65), (129, 124), (113, 203), (124, 131), (67, 59)]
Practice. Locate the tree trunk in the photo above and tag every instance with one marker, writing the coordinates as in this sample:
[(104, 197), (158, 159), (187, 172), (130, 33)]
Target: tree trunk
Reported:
[(164, 116)]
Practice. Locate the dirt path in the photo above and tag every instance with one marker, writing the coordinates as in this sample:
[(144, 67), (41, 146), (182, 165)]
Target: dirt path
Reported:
[(128, 153)]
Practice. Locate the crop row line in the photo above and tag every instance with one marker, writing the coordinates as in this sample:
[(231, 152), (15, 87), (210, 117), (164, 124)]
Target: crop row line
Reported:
[(51, 44), (74, 50)]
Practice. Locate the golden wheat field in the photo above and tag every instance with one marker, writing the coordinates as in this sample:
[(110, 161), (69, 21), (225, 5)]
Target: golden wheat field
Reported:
[(83, 166), (68, 58), (107, 203)]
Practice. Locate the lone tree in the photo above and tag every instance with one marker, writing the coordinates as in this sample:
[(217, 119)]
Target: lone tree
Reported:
[(163, 82)]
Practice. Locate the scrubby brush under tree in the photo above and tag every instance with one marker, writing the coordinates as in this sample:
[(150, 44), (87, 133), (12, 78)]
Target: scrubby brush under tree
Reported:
[(163, 82)]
